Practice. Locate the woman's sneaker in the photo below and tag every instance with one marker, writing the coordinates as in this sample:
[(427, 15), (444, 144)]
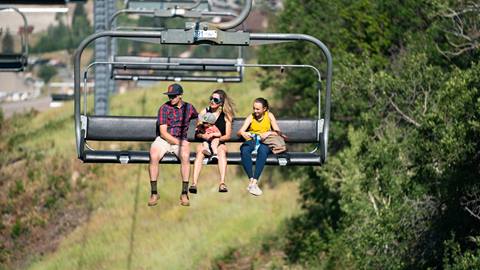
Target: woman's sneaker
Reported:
[(255, 190)]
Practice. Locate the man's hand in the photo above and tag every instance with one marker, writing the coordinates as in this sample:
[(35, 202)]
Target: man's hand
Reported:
[(175, 141)]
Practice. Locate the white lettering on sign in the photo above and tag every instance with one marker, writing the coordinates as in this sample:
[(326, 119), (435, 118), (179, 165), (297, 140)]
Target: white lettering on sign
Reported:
[(206, 34)]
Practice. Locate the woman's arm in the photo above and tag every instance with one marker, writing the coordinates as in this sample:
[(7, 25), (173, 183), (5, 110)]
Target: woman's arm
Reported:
[(214, 132), (273, 122), (228, 131), (275, 128), (242, 131)]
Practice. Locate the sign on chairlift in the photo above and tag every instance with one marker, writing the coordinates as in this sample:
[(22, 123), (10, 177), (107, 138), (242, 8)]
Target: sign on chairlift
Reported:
[(205, 34)]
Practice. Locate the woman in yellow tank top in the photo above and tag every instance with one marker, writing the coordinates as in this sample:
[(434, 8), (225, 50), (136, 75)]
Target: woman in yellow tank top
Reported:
[(257, 126)]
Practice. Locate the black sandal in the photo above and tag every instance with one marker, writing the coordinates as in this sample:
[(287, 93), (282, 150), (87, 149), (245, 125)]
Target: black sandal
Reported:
[(222, 188), (192, 189)]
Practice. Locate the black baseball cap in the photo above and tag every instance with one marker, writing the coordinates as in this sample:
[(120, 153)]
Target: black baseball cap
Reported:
[(174, 89)]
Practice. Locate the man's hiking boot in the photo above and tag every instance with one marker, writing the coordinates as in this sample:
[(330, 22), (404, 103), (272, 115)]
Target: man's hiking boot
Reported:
[(153, 200), (184, 200)]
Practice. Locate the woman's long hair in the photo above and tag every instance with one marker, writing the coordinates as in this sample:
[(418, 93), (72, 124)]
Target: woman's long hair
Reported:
[(228, 106)]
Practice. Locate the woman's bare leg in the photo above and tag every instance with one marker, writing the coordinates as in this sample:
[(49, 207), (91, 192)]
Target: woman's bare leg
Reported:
[(222, 161), (215, 142)]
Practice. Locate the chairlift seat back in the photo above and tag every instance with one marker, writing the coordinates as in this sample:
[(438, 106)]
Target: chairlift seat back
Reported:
[(127, 128)]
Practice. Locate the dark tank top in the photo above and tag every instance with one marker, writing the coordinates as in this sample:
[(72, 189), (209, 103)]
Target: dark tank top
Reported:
[(220, 121)]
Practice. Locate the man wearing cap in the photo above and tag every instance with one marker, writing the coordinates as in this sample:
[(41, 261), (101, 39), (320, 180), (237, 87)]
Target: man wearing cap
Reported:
[(173, 119)]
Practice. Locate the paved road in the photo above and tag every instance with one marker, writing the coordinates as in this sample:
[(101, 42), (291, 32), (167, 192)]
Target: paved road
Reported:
[(40, 104)]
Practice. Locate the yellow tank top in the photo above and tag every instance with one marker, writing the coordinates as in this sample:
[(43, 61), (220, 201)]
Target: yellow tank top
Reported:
[(259, 127)]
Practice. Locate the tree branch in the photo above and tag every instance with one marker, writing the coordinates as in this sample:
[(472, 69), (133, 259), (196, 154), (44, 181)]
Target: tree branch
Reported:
[(404, 116), (462, 32), (372, 199), (471, 213)]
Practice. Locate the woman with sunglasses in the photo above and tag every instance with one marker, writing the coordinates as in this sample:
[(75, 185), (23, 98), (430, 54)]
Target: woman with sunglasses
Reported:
[(223, 108)]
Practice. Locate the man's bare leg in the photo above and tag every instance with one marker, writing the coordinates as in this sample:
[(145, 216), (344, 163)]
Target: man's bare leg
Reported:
[(156, 153), (184, 170)]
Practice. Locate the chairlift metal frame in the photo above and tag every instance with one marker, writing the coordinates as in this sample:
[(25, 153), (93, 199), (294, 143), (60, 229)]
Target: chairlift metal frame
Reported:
[(169, 13), (16, 62), (148, 4), (187, 37), (177, 69), (182, 72)]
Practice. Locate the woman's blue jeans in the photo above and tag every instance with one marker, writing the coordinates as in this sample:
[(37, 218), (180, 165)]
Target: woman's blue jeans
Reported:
[(246, 153)]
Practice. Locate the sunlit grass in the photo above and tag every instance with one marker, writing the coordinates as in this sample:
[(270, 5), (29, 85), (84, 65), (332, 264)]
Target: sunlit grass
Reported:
[(124, 233)]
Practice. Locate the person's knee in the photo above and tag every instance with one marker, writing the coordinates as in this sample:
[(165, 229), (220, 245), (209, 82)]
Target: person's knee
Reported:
[(263, 149), (222, 151), (245, 148), (154, 154), (185, 155)]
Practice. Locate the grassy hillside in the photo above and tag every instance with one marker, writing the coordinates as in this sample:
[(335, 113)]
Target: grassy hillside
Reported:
[(126, 234), (66, 214)]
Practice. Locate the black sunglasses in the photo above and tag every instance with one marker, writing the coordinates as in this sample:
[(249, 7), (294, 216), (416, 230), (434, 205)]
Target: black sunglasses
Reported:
[(216, 100), (172, 96)]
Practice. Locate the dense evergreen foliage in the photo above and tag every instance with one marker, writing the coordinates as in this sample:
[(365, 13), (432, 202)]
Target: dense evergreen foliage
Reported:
[(400, 190)]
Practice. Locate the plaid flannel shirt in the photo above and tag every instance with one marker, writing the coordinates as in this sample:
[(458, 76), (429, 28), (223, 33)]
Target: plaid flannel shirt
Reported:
[(177, 119)]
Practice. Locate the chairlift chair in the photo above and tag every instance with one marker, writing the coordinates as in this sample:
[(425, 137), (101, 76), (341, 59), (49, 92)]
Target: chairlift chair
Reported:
[(132, 128), (16, 62)]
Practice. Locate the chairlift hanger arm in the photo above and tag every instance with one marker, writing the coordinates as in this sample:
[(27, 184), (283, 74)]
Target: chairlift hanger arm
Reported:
[(238, 20), (169, 13), (150, 4), (195, 4)]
